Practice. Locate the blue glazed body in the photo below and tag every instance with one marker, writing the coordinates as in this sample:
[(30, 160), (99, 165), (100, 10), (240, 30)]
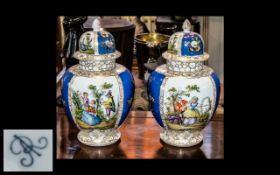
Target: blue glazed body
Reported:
[(128, 88), (64, 92), (217, 84), (154, 85)]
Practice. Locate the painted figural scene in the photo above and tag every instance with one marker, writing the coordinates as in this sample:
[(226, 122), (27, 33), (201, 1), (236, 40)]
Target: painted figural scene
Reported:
[(95, 108), (184, 111)]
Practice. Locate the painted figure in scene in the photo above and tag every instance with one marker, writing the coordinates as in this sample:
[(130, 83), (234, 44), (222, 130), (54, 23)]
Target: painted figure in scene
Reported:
[(88, 115), (86, 44), (191, 115), (92, 107), (90, 119), (181, 105), (85, 100), (194, 103), (109, 104)]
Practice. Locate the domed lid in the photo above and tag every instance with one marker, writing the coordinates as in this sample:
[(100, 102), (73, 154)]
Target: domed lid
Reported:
[(97, 44), (186, 46)]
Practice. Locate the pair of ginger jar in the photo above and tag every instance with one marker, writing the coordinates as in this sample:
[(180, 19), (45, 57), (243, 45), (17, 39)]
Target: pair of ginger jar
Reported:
[(98, 93)]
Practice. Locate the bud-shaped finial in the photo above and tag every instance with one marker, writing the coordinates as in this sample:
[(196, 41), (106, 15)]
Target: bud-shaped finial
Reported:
[(96, 24), (187, 26)]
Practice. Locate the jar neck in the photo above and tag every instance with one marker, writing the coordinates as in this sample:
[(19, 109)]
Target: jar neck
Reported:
[(183, 67), (97, 65)]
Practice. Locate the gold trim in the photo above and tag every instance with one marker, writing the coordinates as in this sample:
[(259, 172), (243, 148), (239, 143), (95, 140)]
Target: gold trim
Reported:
[(173, 57), (92, 57), (95, 42), (97, 137), (70, 102), (203, 73), (183, 138), (161, 103), (120, 98), (79, 72), (180, 38), (97, 65)]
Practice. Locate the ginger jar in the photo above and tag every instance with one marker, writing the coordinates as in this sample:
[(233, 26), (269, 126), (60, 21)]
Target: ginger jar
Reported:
[(98, 92), (184, 93)]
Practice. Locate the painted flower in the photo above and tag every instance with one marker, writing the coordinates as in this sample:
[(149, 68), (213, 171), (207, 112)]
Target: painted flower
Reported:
[(194, 44), (109, 43)]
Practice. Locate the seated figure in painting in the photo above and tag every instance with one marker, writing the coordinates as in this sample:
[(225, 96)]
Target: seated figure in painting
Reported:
[(88, 115), (191, 114), (91, 107), (90, 119)]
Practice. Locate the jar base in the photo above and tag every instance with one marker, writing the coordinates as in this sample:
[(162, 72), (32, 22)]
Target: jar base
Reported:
[(181, 138), (97, 137)]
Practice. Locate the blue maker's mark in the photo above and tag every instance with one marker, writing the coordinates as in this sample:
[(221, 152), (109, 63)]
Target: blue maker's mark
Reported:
[(27, 148)]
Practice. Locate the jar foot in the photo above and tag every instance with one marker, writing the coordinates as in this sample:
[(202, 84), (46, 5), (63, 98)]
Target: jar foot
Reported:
[(97, 137), (181, 138)]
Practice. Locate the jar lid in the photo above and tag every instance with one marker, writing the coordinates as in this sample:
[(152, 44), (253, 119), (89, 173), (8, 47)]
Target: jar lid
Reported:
[(186, 46), (97, 44)]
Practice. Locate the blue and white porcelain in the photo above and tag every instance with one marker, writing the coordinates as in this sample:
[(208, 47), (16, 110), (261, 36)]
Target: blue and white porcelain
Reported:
[(184, 93), (97, 92)]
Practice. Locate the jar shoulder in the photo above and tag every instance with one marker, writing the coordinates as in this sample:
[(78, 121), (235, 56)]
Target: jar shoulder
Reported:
[(205, 72), (76, 71)]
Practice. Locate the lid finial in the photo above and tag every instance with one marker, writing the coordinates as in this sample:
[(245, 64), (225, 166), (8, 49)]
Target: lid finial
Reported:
[(96, 24), (187, 26)]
